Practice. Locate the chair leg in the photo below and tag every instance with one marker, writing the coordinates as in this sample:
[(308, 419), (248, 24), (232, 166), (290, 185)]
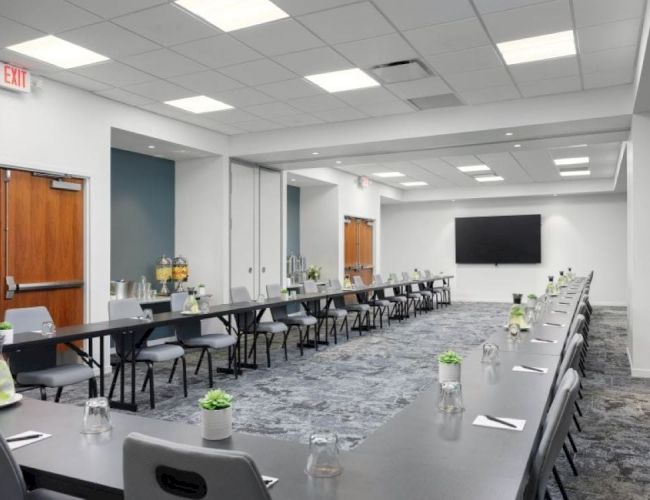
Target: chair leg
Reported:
[(198, 365), (146, 380), (302, 349), (58, 394), (558, 480), (547, 496), (268, 350), (284, 343), (43, 393), (92, 387), (568, 457), (152, 399), (114, 381), (184, 374), (573, 444), (171, 375), (578, 408), (575, 419), (210, 375), (347, 328)]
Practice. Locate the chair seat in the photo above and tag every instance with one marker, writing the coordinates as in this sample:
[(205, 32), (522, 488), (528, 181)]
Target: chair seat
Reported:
[(214, 340), (301, 320), (358, 307), (380, 303), (57, 376), (414, 295), (397, 298), (271, 327), (426, 293), (43, 494), (160, 353), (333, 313)]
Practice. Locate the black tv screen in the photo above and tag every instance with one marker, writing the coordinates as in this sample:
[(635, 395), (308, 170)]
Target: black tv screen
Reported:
[(499, 240)]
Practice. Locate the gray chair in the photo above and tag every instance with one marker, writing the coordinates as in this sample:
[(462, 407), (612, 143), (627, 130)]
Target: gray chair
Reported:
[(398, 301), (361, 311), (322, 313), (12, 482), (189, 336), (443, 292), (427, 295), (281, 314), (162, 470), (248, 324), (413, 297), (556, 427), (130, 308), (37, 367), (379, 305)]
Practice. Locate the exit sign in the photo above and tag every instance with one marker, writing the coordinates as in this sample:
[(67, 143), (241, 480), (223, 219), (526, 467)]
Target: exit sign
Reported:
[(14, 78)]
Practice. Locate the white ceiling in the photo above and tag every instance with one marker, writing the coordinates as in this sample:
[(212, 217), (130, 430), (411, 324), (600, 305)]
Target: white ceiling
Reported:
[(150, 146), (159, 52)]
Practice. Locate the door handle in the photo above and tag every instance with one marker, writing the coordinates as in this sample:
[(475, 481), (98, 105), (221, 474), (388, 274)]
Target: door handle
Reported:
[(250, 270), (264, 269), (13, 287)]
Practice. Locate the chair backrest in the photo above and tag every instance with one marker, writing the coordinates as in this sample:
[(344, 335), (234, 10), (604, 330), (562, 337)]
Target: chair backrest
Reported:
[(358, 281), (339, 302), (28, 319), (556, 427), (310, 286), (178, 301), (12, 482), (427, 274), (570, 358), (123, 309), (274, 291), (190, 328), (240, 294), (155, 468), (393, 276), (378, 279), (406, 276)]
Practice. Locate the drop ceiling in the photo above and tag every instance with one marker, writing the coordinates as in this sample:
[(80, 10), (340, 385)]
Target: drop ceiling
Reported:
[(159, 52)]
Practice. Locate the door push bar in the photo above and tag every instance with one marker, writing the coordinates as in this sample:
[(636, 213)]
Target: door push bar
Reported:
[(13, 287)]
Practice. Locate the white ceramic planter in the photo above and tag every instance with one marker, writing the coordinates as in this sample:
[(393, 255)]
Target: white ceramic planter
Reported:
[(531, 303), (448, 372), (201, 291), (285, 296), (216, 424), (7, 335)]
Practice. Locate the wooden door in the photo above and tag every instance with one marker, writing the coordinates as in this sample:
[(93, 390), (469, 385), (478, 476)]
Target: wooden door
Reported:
[(366, 261), (358, 244), (42, 247)]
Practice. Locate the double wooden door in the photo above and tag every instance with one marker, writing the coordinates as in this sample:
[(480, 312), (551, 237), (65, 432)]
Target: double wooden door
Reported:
[(42, 244), (359, 259)]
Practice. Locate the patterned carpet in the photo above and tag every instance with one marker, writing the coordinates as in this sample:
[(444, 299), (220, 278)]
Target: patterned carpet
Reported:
[(356, 386)]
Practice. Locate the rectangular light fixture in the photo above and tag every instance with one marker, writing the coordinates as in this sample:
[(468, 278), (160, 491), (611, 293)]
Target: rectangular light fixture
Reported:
[(231, 15), (538, 48), (339, 81), (199, 104), (579, 172), (576, 160), (54, 50), (488, 178), (414, 183), (388, 175), (473, 168)]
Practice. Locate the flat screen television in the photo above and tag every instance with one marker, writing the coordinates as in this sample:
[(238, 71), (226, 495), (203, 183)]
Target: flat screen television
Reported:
[(515, 239)]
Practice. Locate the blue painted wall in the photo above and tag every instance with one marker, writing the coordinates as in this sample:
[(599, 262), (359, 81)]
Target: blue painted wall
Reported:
[(293, 220)]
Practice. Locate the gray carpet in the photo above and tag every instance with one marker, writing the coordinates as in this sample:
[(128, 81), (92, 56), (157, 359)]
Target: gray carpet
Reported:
[(356, 386)]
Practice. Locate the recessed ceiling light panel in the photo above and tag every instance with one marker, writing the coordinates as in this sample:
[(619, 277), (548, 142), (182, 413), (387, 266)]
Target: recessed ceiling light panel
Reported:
[(199, 104), (231, 15), (577, 172), (54, 50), (474, 168), (414, 183), (488, 178), (538, 48), (576, 160), (339, 81), (388, 175)]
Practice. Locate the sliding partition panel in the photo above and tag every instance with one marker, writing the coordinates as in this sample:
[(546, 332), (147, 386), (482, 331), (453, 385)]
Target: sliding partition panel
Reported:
[(270, 228), (243, 232)]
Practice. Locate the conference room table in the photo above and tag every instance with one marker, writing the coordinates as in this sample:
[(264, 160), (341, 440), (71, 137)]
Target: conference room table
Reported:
[(419, 454), (133, 333)]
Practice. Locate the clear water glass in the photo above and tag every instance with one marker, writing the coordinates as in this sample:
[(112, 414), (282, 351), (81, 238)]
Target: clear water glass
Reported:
[(323, 458), (97, 417), (147, 314), (48, 328), (490, 354), (204, 306), (451, 397), (513, 330)]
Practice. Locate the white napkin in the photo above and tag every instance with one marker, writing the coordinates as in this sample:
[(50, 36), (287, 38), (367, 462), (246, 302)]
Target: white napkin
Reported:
[(518, 368), (536, 341), (19, 444), (269, 481), (484, 422)]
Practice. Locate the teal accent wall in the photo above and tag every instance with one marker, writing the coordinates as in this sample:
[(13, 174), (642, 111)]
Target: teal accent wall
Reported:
[(293, 220)]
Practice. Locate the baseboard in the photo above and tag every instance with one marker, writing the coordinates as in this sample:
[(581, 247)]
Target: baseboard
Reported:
[(637, 372)]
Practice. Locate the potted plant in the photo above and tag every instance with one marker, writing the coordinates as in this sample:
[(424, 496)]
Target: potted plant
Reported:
[(284, 293), (517, 316), (532, 300), (313, 272), (7, 332), (201, 289), (216, 415), (449, 367)]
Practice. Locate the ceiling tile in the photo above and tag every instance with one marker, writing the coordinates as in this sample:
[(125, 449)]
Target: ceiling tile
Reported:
[(543, 70), (549, 17), (419, 88), (114, 73), (538, 164), (167, 25), (159, 90), (53, 16), (218, 51), (620, 59), (316, 103), (460, 160), (258, 72), (206, 82), (473, 80), (12, 32), (109, 40), (491, 94), (299, 7), (280, 37), (272, 110), (124, 96), (366, 96), (505, 165), (608, 36), (607, 79), (225, 128), (258, 125), (163, 63), (408, 14), (378, 50), (114, 8), (551, 86), (240, 98), (591, 12), (340, 115), (448, 37), (290, 89), (445, 171), (487, 6), (78, 81), (314, 61), (42, 68), (344, 24), (465, 60), (298, 120), (384, 108), (231, 116)]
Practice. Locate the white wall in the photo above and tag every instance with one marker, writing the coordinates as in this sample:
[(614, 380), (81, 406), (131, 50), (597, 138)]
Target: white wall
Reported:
[(319, 228), (585, 232)]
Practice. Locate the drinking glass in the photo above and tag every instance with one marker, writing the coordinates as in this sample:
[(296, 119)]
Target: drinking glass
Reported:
[(147, 314), (96, 416), (513, 330), (48, 328), (261, 297), (490, 354), (204, 306), (451, 397), (323, 458)]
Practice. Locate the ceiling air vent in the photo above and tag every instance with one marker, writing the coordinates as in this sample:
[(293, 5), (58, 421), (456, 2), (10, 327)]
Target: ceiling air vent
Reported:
[(435, 101), (401, 71)]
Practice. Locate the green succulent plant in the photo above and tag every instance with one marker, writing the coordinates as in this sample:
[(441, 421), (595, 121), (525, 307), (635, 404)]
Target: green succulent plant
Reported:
[(517, 311), (216, 399), (449, 358), (532, 296), (6, 326)]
